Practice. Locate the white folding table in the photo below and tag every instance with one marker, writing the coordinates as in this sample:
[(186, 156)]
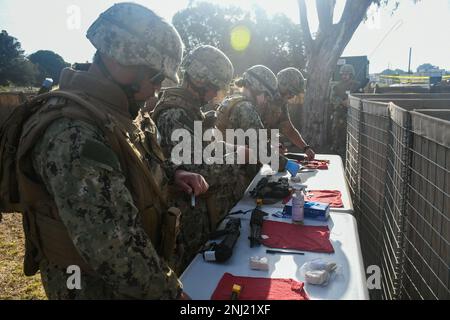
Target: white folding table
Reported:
[(201, 278)]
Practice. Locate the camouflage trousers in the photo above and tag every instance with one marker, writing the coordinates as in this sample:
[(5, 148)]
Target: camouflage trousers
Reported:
[(55, 280), (338, 130), (227, 186)]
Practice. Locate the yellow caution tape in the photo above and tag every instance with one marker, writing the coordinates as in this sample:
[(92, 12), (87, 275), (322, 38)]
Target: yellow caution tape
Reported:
[(412, 77), (406, 77)]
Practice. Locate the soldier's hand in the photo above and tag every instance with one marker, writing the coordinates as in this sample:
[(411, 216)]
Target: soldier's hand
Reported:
[(191, 182), (310, 154), (282, 149)]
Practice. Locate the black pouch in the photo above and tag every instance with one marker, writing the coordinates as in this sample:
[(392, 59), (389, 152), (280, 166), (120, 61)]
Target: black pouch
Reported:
[(271, 190)]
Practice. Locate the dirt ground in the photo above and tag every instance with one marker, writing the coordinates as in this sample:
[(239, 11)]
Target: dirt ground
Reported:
[(13, 283)]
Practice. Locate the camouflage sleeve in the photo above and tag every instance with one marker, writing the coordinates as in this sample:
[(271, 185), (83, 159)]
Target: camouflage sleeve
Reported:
[(169, 169), (177, 118), (244, 116), (98, 211), (168, 122)]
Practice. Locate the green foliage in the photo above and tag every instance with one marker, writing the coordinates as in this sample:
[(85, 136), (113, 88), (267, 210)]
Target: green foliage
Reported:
[(23, 73), (427, 67), (14, 67), (10, 49), (49, 65), (275, 41)]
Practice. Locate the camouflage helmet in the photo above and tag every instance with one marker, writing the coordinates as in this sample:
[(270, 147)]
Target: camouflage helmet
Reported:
[(208, 64), (262, 79), (134, 35), (291, 80), (347, 68)]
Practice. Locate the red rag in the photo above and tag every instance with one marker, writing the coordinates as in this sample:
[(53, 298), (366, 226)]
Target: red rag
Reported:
[(296, 237), (333, 197), (315, 164), (260, 288)]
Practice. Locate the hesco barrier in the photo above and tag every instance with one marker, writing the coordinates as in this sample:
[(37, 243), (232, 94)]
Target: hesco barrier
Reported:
[(413, 89), (399, 179), (426, 265), (352, 158), (405, 89)]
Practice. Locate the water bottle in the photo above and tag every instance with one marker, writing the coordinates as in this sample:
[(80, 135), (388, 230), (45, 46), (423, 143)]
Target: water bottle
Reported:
[(298, 203), (46, 86)]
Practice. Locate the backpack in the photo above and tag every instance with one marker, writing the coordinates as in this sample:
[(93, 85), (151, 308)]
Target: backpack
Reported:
[(225, 109), (8, 101), (10, 132)]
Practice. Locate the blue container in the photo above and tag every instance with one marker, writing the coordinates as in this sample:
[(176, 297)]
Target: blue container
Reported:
[(317, 210), (292, 167), (313, 210)]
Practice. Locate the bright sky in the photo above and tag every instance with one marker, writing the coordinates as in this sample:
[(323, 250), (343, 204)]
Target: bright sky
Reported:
[(56, 25)]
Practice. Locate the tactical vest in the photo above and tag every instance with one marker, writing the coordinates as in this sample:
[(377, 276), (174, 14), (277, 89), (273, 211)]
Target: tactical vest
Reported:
[(178, 97), (341, 88), (224, 112), (271, 114), (46, 235)]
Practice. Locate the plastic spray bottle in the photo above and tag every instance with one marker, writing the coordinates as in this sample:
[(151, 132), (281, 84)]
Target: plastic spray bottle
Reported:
[(298, 204)]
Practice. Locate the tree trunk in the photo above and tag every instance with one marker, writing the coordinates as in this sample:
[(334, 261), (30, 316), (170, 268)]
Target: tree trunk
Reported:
[(323, 52), (320, 70)]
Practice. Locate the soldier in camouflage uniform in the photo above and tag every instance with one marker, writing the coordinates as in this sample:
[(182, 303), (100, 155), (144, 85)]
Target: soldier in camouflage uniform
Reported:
[(276, 116), (339, 104), (90, 198), (206, 70), (246, 110), (240, 111)]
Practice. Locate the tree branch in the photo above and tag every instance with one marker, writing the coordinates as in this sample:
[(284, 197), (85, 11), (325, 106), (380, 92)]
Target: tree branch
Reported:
[(353, 15), (325, 12), (305, 25)]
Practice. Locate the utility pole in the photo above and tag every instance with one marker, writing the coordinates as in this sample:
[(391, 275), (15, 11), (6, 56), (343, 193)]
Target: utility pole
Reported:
[(409, 64)]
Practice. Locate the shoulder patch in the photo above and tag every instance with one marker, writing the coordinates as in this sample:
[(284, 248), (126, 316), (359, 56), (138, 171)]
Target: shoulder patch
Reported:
[(100, 155)]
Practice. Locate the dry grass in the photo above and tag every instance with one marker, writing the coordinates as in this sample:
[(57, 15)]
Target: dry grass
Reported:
[(13, 283), (18, 89)]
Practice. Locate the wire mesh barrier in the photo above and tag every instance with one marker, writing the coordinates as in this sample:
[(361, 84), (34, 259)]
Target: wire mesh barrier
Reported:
[(427, 237), (395, 200), (399, 179), (352, 158), (373, 137)]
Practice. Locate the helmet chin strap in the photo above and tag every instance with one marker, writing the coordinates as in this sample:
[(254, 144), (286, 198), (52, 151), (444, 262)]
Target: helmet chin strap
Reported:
[(129, 89)]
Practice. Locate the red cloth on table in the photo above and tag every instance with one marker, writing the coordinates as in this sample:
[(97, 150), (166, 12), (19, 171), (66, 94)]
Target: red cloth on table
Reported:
[(296, 237), (333, 197), (260, 288), (315, 164)]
